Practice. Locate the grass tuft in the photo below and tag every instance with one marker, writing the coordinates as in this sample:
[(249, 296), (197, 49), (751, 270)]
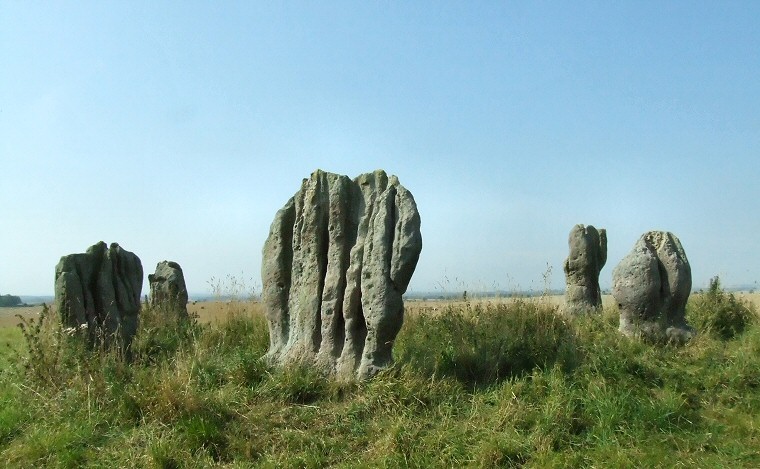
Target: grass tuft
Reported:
[(720, 313), (481, 344)]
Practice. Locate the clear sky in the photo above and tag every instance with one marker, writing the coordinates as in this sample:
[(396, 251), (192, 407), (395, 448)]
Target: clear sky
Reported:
[(178, 129)]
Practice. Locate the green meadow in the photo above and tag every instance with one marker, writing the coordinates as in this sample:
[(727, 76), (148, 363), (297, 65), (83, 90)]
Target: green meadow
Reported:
[(474, 384)]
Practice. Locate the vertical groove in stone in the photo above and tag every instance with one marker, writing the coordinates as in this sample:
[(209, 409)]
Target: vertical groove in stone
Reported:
[(302, 250), (342, 240), (407, 239), (355, 327), (380, 297), (276, 276), (335, 274), (322, 246)]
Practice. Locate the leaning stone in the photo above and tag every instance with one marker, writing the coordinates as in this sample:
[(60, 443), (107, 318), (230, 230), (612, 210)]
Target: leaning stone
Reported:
[(651, 286), (167, 289), (588, 254), (99, 291), (339, 256)]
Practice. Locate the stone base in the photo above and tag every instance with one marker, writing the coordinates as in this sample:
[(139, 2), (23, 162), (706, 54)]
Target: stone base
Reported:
[(656, 331)]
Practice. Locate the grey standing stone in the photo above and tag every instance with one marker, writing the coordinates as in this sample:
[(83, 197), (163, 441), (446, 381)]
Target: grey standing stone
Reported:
[(99, 291), (588, 254), (651, 286), (339, 256), (168, 290)]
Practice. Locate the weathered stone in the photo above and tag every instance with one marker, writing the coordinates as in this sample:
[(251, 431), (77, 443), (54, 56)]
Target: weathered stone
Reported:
[(339, 256), (651, 286), (588, 254), (100, 291), (167, 289)]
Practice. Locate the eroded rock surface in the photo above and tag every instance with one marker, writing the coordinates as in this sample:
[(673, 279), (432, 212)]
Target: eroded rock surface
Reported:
[(99, 291), (167, 288), (338, 258), (588, 254), (651, 286)]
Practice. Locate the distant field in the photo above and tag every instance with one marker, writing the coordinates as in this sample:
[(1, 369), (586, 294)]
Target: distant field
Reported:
[(8, 315), (207, 311), (753, 298), (210, 311)]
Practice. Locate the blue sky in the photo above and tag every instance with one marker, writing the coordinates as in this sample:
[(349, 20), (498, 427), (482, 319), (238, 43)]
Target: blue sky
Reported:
[(178, 129)]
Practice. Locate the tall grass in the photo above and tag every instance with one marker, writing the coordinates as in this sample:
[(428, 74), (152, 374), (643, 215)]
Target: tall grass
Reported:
[(482, 343), (721, 313), (474, 385)]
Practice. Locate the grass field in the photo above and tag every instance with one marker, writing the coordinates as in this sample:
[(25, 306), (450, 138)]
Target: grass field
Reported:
[(500, 383), (210, 311)]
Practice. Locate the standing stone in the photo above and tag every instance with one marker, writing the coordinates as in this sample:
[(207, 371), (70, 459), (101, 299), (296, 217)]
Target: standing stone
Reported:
[(588, 254), (339, 256), (651, 286), (167, 289), (100, 291)]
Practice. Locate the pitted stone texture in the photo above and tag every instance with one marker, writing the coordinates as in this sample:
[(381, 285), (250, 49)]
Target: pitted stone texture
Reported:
[(100, 289), (339, 256), (651, 286), (167, 289), (588, 254)]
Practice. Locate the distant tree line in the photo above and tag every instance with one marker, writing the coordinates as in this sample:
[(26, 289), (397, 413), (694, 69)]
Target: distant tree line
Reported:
[(9, 300)]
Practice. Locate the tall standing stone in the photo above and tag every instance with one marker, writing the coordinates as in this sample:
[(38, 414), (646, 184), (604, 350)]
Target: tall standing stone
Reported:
[(339, 256), (100, 289), (167, 288), (588, 254), (651, 286)]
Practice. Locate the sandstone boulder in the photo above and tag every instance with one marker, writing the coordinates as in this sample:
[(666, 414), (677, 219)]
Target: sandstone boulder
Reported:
[(338, 258), (588, 254), (99, 291), (651, 286), (167, 289)]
